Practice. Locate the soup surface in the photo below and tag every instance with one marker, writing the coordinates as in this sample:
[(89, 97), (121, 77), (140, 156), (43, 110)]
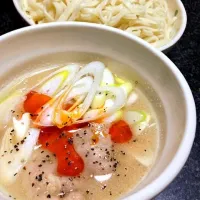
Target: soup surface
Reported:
[(75, 131)]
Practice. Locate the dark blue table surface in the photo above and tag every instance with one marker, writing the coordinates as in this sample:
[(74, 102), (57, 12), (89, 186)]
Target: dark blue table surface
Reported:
[(186, 56)]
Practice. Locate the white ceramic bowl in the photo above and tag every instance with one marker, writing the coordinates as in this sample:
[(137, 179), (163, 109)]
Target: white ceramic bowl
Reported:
[(173, 4), (26, 44)]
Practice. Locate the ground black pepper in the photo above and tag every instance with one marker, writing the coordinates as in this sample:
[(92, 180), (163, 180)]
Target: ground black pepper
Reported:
[(87, 191)]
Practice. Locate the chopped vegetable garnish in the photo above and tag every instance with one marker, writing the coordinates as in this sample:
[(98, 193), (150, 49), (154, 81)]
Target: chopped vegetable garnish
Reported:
[(15, 154), (21, 126), (60, 142), (57, 80), (108, 78), (138, 120), (132, 98), (35, 101), (120, 132), (52, 86), (9, 104), (114, 117), (127, 88)]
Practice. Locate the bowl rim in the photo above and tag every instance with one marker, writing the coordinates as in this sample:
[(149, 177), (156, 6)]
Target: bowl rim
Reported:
[(181, 156), (170, 44)]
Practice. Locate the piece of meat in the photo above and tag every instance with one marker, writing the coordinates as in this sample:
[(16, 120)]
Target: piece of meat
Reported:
[(98, 154), (40, 178)]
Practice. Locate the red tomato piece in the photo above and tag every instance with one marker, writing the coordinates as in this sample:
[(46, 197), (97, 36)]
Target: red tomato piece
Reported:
[(34, 101), (60, 142), (120, 132)]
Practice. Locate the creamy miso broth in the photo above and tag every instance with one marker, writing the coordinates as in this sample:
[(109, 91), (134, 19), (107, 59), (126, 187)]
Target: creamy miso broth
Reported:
[(75, 130)]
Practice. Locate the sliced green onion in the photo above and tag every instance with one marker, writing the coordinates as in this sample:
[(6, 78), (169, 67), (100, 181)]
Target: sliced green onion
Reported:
[(57, 80), (139, 120), (21, 126), (132, 98), (119, 80), (14, 155), (9, 104), (52, 86), (98, 101), (54, 109), (115, 104), (127, 87), (114, 117), (108, 78)]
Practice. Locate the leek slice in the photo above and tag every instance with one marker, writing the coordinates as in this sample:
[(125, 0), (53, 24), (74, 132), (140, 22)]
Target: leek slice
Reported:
[(9, 104), (21, 126), (132, 98), (100, 98), (62, 117), (57, 80), (53, 113), (98, 101), (110, 107), (114, 117), (80, 88), (13, 158), (108, 78), (127, 87), (139, 120), (52, 86), (119, 80)]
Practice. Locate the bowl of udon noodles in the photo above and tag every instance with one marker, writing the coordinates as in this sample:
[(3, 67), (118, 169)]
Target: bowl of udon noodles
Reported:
[(159, 22), (89, 112)]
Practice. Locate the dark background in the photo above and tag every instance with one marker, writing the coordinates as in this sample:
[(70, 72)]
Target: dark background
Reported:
[(186, 56)]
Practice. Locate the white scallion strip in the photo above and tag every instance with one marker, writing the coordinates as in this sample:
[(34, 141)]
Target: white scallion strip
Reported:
[(108, 78), (139, 120), (118, 101), (21, 126), (53, 113), (98, 101), (80, 88), (119, 80), (94, 69), (100, 98), (51, 87), (132, 98), (127, 87), (14, 159), (114, 117), (57, 80), (9, 104)]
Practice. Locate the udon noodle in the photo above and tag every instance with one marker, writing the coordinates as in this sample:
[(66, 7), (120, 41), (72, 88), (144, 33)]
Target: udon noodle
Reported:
[(150, 20)]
